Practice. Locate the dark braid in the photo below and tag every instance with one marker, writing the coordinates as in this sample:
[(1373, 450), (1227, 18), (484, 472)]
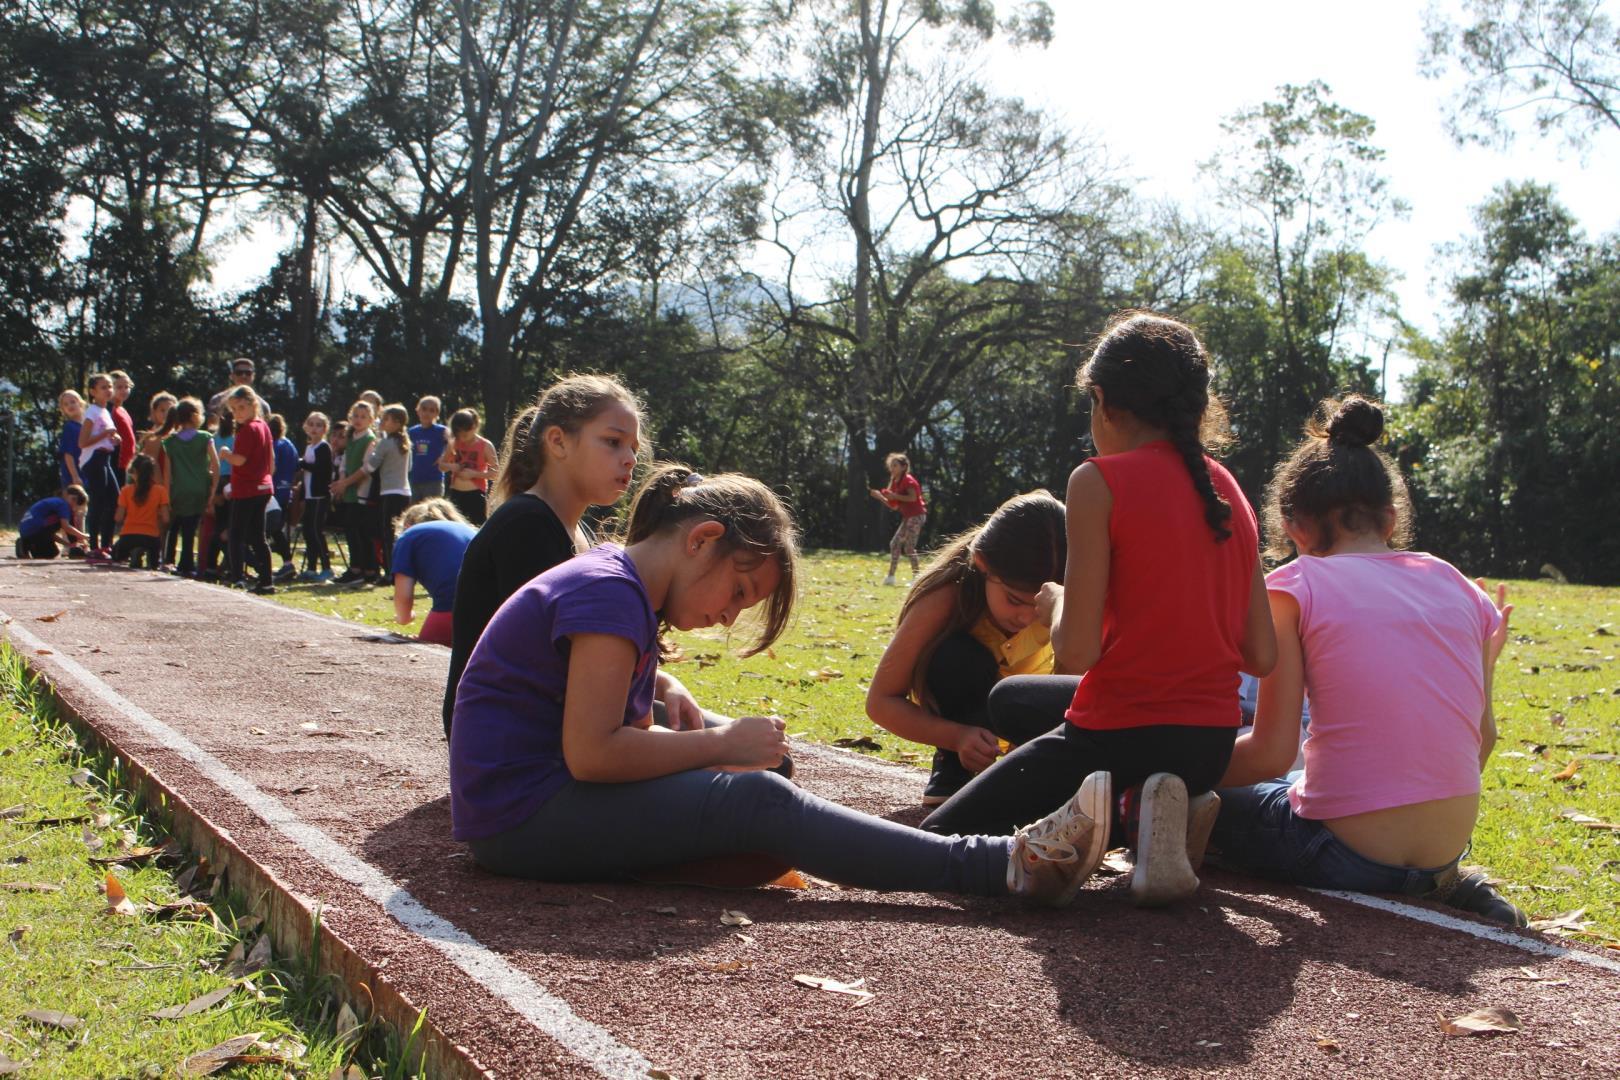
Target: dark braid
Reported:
[(1156, 369)]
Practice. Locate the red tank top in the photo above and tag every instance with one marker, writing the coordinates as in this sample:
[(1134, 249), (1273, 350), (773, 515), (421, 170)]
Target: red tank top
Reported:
[(1174, 616)]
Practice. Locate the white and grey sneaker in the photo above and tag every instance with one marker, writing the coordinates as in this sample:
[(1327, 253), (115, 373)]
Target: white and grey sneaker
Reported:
[(1052, 858), (1164, 873)]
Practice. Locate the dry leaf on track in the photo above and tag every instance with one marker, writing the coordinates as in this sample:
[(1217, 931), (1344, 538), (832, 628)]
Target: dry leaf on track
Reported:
[(50, 1018), (51, 617), (195, 1005), (735, 918), (856, 989), (1492, 1020)]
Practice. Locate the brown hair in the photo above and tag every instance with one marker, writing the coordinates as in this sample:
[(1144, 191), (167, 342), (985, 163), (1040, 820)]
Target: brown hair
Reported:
[(758, 527), (903, 460), (435, 509), (187, 408), (169, 419), (243, 393), (1337, 479), (1024, 542), (401, 416), (570, 403), (144, 469), (463, 420), (76, 495), (1155, 368)]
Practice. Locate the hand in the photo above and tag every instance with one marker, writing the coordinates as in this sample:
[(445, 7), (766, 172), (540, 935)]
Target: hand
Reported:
[(878, 495), (681, 710), (757, 742), (977, 748), (1499, 639), (115, 439), (1046, 602)]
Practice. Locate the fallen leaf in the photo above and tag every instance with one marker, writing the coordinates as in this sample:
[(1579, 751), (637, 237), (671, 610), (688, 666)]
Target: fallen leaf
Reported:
[(17, 934), (215, 1058), (727, 965), (129, 858), (258, 957), (257, 731), (664, 911), (1117, 861), (118, 901), (1569, 771), (12, 812), (310, 725), (735, 918), (353, 1072), (1569, 920), (102, 821), (195, 1005), (348, 1025), (193, 908), (29, 886), (91, 840), (50, 1018), (856, 989), (1532, 975), (865, 742), (1486, 1021), (79, 777), (51, 617), (7, 1066), (43, 652)]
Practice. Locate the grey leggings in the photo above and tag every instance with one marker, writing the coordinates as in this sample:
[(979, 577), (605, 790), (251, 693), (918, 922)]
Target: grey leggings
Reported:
[(589, 832)]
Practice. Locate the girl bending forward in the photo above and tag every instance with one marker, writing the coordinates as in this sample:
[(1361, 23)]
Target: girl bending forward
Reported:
[(557, 772)]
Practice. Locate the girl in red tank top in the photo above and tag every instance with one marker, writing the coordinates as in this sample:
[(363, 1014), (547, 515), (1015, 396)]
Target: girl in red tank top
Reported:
[(1163, 604)]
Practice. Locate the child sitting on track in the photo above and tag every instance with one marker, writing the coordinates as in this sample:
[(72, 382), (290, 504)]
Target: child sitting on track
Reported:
[(574, 448), (968, 622), (143, 515), (1162, 604), (433, 538), (1397, 649), (557, 773), (48, 521)]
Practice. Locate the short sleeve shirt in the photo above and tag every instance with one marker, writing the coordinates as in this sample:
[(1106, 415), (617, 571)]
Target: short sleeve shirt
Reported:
[(252, 477), (908, 485), (99, 421), (44, 516), (431, 552), (67, 443), (141, 518), (427, 444), (506, 757)]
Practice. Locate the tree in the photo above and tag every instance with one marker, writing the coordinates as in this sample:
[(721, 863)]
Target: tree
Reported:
[(1557, 60)]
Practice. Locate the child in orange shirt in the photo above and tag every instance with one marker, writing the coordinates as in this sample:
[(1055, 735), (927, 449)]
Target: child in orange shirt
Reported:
[(143, 515)]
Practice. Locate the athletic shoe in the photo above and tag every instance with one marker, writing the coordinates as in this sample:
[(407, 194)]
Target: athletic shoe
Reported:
[(1163, 873), (1052, 858), (947, 777), (77, 552), (98, 555), (310, 576), (324, 577), (286, 573), (264, 590), (348, 577), (1473, 892), (1202, 810), (889, 580)]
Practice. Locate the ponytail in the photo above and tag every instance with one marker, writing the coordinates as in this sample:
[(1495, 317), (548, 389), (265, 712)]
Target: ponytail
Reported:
[(570, 403)]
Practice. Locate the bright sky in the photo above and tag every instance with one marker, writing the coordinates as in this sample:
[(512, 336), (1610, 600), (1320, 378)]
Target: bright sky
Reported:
[(1153, 80)]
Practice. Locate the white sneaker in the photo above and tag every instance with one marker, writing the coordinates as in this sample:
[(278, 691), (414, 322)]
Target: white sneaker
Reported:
[(1052, 858), (889, 580), (1163, 873), (1202, 810)]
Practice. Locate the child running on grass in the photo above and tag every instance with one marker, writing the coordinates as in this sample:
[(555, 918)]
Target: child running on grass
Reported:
[(557, 772), (433, 538), (469, 461), (1162, 604), (143, 515), (49, 523), (905, 495), (968, 622), (574, 448), (190, 472), (1397, 649)]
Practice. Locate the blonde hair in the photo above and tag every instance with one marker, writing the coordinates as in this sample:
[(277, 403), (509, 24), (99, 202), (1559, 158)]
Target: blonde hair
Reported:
[(435, 509), (570, 403)]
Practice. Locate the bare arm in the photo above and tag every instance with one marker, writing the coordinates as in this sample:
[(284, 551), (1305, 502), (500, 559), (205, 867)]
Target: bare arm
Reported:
[(1268, 749), (1491, 652), (404, 597), (599, 748), (1077, 618), (72, 463), (213, 465), (1259, 645), (888, 700)]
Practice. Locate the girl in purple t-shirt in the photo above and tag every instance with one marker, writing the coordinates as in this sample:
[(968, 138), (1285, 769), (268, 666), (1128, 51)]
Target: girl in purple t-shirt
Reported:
[(558, 773), (1396, 649)]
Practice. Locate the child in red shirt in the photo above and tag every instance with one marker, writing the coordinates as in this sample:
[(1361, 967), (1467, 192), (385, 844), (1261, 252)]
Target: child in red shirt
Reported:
[(1162, 605), (905, 495), (250, 458)]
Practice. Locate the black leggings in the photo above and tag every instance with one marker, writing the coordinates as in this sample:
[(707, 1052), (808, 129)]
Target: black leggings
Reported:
[(472, 504), (961, 675), (1039, 776), (357, 531), (383, 512), (42, 545), (100, 475), (183, 533), (316, 557), (133, 547), (247, 531)]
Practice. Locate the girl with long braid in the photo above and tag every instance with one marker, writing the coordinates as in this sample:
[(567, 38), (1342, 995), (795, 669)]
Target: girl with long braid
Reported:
[(1162, 606)]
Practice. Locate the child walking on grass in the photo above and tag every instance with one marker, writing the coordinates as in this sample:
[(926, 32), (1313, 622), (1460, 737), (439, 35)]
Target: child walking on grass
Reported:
[(557, 772), (1397, 650), (1162, 605), (143, 515), (575, 447), (905, 495), (968, 622)]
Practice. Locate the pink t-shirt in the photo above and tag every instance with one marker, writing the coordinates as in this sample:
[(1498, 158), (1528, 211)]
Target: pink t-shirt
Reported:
[(1394, 670)]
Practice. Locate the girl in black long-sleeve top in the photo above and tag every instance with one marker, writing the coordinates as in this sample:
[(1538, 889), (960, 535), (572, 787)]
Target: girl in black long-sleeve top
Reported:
[(316, 467)]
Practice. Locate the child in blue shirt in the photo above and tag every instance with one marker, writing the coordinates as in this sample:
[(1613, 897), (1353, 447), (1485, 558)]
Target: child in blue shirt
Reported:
[(558, 773), (39, 531), (428, 438), (67, 444), (433, 539)]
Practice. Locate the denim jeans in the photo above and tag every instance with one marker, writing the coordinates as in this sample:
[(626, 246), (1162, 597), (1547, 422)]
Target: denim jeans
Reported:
[(1258, 833)]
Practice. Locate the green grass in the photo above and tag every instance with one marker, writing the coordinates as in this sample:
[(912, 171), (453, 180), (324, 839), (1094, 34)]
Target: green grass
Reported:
[(1557, 701), (63, 951)]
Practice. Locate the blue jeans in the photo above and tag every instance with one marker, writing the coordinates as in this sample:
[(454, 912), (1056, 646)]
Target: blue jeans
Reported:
[(1258, 833)]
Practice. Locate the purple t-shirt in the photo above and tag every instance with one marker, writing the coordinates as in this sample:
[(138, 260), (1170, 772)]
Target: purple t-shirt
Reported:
[(506, 754)]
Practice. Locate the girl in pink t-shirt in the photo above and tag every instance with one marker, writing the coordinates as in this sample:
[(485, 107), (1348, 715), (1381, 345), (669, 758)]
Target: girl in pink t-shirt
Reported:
[(1396, 650)]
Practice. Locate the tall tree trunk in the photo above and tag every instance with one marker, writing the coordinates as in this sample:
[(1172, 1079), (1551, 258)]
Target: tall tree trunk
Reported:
[(301, 362)]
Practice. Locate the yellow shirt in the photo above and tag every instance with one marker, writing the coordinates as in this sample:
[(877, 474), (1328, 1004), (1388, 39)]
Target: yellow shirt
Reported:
[(1028, 652)]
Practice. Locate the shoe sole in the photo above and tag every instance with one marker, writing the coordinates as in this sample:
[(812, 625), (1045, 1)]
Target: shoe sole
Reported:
[(1163, 874), (1095, 800), (1202, 810), (934, 800)]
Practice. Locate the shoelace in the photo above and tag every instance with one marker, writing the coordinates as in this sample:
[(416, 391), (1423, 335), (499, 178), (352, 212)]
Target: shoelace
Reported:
[(1048, 850)]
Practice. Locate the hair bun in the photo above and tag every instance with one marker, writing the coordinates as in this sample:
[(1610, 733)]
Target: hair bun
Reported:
[(1356, 422)]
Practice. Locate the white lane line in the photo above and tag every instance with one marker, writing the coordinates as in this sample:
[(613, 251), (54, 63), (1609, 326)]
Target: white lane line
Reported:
[(594, 1045), (1467, 926)]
